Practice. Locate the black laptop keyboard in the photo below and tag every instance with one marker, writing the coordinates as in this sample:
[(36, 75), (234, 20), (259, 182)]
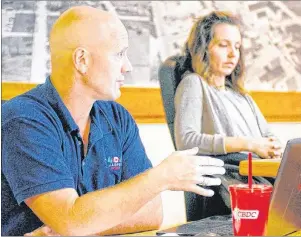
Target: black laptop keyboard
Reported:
[(211, 226)]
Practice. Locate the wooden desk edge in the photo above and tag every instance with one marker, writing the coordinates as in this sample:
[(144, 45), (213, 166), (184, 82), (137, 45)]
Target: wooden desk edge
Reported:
[(266, 168)]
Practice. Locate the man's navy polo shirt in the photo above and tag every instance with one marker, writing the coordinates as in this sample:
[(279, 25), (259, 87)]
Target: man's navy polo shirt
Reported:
[(42, 151)]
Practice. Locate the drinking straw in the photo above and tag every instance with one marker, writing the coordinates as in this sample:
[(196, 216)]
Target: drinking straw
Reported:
[(250, 170)]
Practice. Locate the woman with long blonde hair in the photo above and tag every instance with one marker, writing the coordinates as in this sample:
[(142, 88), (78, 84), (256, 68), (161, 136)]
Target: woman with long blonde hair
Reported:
[(213, 110)]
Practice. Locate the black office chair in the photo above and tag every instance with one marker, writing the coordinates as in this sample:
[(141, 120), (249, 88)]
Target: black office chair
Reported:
[(198, 207), (169, 79)]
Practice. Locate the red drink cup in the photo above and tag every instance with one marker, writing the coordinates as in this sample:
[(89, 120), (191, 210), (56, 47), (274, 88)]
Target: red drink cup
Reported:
[(250, 208)]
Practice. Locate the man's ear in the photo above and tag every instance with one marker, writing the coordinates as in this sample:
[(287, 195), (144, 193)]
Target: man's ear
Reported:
[(81, 60)]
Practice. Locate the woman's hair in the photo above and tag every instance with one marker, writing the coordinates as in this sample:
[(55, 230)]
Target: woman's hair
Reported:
[(196, 54)]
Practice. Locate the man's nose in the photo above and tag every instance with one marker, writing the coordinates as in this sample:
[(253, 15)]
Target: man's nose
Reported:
[(127, 66)]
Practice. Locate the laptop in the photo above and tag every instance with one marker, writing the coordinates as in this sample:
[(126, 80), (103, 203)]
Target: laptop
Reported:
[(285, 204)]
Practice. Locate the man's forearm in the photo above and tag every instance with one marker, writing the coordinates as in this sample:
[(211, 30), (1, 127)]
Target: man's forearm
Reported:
[(97, 211), (149, 217)]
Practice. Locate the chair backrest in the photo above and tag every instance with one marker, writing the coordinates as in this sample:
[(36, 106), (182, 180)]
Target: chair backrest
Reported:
[(169, 79)]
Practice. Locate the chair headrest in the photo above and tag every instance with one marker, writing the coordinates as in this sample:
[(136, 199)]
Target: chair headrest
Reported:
[(169, 72)]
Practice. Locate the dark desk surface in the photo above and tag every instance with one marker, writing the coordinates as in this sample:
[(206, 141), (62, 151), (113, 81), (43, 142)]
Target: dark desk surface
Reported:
[(153, 233)]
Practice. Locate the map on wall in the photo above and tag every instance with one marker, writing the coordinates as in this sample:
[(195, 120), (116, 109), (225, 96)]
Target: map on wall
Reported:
[(157, 30), (26, 26)]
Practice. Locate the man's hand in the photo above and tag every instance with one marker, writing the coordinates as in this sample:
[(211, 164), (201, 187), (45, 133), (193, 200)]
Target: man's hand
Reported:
[(184, 170), (42, 231), (267, 147)]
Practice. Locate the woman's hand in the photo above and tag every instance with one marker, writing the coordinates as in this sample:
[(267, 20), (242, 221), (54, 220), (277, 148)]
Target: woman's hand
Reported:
[(267, 147)]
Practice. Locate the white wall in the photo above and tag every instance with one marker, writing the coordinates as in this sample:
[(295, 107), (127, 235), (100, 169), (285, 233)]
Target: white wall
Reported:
[(158, 145)]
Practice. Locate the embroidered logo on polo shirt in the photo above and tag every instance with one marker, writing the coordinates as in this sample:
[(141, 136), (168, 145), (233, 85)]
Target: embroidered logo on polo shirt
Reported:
[(114, 162)]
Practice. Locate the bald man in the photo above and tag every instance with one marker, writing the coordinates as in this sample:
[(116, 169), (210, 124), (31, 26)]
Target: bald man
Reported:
[(72, 158)]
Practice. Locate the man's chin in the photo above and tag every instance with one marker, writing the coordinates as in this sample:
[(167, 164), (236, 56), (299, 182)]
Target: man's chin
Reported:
[(110, 96)]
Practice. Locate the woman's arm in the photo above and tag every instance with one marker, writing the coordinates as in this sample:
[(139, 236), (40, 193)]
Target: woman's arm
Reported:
[(188, 118)]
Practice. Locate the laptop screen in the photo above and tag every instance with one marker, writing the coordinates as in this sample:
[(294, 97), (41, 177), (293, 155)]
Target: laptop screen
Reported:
[(285, 205)]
